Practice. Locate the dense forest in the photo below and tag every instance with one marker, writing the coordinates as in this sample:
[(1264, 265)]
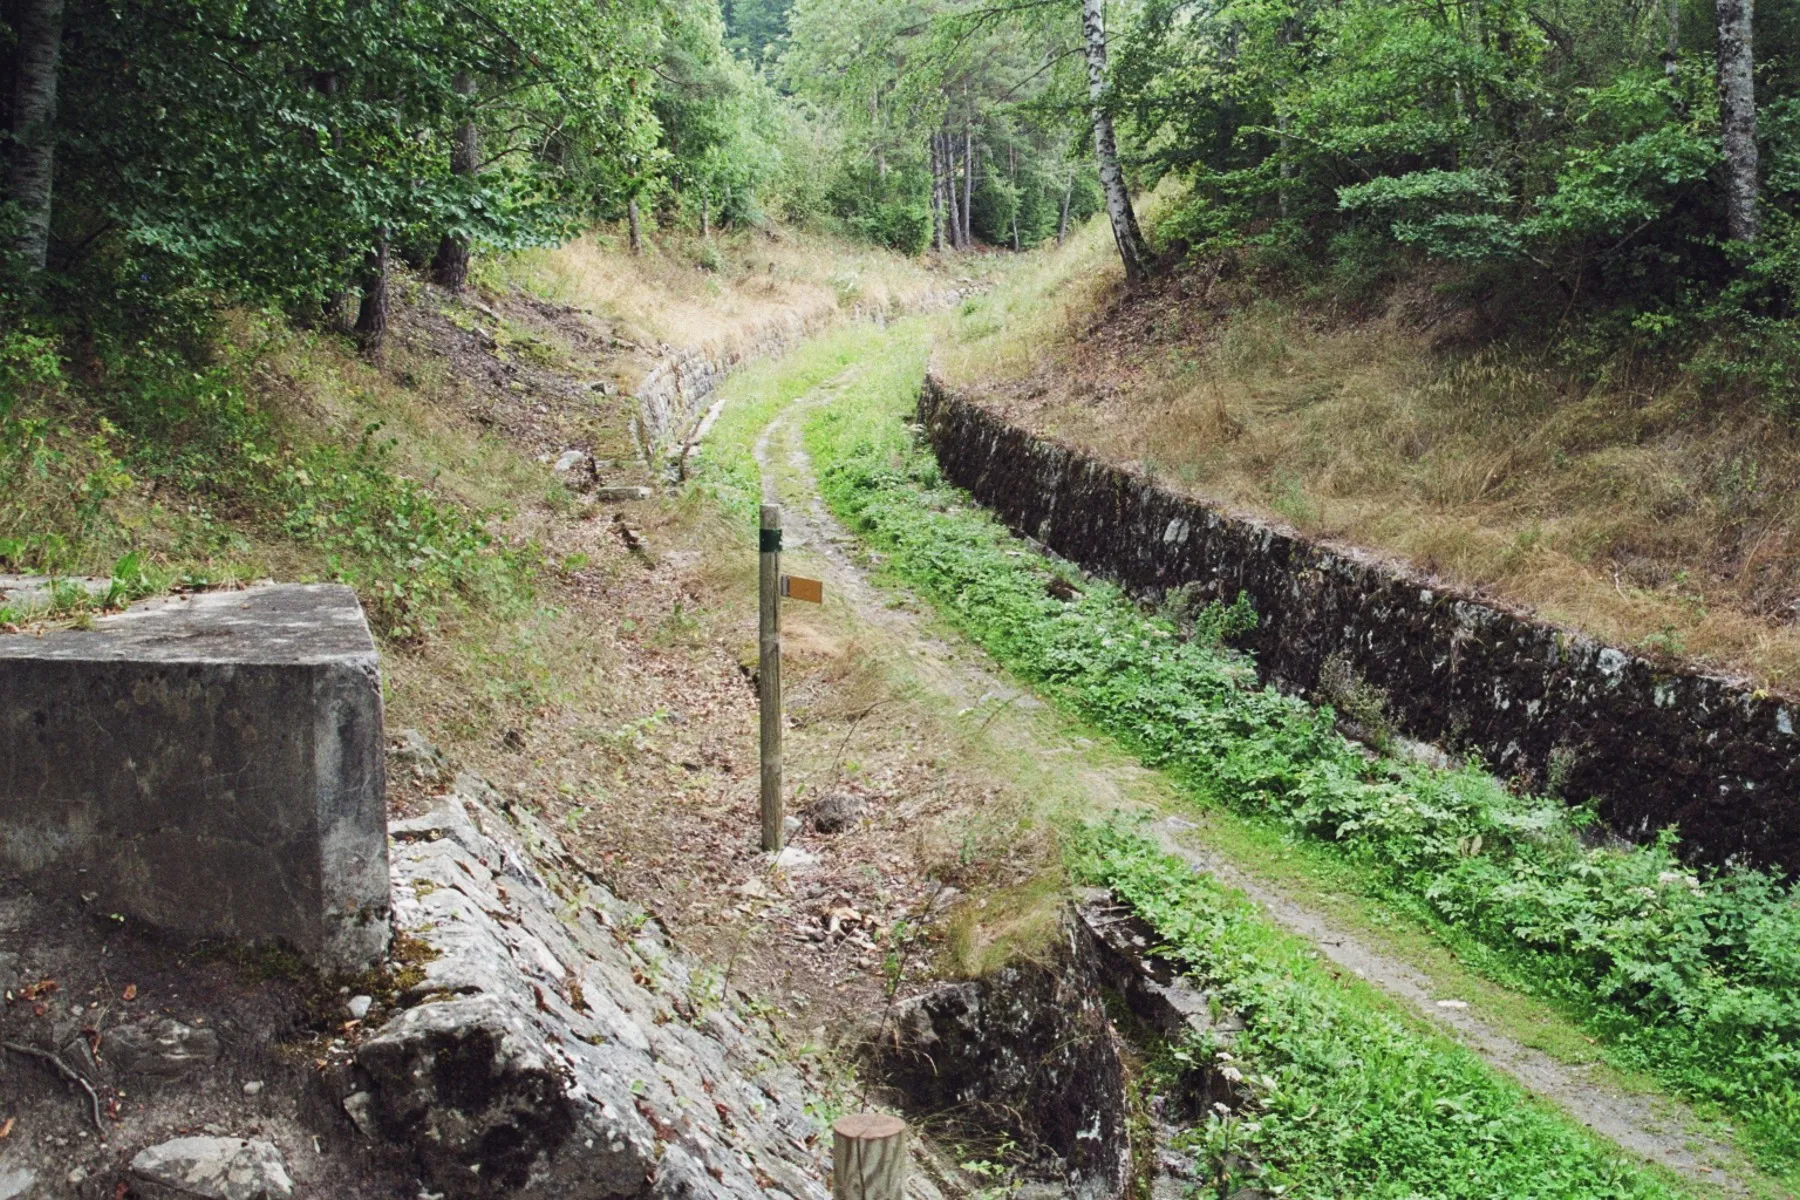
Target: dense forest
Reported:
[(1638, 164)]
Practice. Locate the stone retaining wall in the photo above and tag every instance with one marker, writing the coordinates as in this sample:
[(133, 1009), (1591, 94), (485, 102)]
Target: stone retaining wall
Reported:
[(1657, 745), (672, 397), (555, 1044)]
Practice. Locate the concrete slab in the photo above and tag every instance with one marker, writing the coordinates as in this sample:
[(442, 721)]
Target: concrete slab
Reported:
[(212, 764)]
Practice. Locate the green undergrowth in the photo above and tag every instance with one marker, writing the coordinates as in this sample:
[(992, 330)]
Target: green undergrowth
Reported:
[(726, 472), (1339, 1095), (173, 475), (1690, 976)]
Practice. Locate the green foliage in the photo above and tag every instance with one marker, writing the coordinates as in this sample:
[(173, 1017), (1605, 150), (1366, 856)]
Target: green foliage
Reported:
[(257, 152), (720, 130), (161, 428), (891, 76), (1546, 151), (756, 27), (1691, 975), (1339, 1097)]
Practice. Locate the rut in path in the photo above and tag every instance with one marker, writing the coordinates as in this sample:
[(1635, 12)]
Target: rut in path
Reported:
[(1655, 1128)]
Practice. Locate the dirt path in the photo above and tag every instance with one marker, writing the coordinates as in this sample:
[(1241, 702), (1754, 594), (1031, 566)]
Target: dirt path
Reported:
[(1653, 1127)]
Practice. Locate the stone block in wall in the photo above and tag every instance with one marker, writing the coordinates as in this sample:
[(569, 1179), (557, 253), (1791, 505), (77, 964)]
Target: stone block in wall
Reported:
[(211, 764)]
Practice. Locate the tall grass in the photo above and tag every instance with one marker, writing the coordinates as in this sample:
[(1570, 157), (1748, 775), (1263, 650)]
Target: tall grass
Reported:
[(1636, 503)]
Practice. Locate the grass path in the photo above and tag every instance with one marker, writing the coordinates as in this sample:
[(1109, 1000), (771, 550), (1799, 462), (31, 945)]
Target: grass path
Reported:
[(1096, 779)]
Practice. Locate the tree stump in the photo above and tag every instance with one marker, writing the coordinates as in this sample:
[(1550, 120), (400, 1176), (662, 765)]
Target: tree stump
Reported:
[(868, 1157)]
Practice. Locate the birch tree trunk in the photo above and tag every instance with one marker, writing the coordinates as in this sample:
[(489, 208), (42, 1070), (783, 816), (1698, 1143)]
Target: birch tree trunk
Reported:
[(968, 207), (451, 266), (937, 196), (32, 163), (1012, 167), (1126, 234), (954, 205), (1672, 47), (635, 225), (1062, 220), (1737, 116)]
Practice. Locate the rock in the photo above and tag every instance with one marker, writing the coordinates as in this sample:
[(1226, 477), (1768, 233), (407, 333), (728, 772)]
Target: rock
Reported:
[(790, 826), (470, 1084), (836, 812), (559, 1051), (414, 751), (578, 469), (165, 1048), (359, 1006), (211, 1168), (1030, 1049), (253, 1088), (793, 858), (360, 1108), (618, 495), (16, 1182)]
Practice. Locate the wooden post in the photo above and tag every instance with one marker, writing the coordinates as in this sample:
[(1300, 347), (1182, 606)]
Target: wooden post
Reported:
[(868, 1157), (769, 675)]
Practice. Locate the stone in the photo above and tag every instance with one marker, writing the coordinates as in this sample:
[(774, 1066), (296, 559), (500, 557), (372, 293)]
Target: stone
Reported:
[(552, 1050), (619, 495), (212, 764), (574, 460), (414, 751), (836, 812), (1030, 1048), (16, 1182), (793, 858), (165, 1049), (211, 1168), (253, 1087), (358, 1007)]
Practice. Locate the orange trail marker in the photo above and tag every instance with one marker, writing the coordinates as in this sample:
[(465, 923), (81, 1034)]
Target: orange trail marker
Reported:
[(796, 587)]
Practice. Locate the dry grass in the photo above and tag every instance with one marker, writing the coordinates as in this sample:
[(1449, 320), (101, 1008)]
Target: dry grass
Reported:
[(1649, 514), (722, 293)]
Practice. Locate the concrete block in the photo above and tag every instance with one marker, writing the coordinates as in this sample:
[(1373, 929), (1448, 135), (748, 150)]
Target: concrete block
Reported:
[(212, 764)]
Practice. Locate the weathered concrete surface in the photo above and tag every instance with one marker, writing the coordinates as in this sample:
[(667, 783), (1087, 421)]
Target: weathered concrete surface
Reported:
[(212, 764), (1657, 746)]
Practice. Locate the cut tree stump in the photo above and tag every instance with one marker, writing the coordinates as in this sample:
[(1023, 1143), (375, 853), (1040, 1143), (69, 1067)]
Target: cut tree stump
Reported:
[(868, 1157)]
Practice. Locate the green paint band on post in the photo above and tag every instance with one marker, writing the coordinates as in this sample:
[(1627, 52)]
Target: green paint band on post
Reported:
[(769, 541)]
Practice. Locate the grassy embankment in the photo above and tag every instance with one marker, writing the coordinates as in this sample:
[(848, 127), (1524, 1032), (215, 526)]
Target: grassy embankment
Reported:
[(288, 455), (1691, 979), (1648, 507)]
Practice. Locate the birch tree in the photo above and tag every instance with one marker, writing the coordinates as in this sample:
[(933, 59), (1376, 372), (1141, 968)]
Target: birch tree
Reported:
[(1126, 234), (1737, 117), (30, 166)]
